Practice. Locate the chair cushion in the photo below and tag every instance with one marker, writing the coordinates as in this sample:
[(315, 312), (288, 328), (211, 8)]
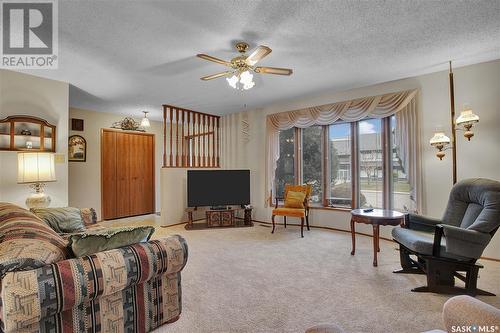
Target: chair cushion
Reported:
[(62, 220), (26, 242), (295, 212), (295, 199), (418, 241), (97, 240), (421, 242), (467, 197), (307, 189)]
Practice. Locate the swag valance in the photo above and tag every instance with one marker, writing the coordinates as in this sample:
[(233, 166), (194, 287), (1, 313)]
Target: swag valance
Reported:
[(402, 104), (375, 106)]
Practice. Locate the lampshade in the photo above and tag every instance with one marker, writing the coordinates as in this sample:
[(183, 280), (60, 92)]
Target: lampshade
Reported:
[(439, 138), (35, 168), (467, 117)]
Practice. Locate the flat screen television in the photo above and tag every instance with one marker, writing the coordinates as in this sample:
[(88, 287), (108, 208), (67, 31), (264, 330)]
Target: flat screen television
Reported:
[(218, 187)]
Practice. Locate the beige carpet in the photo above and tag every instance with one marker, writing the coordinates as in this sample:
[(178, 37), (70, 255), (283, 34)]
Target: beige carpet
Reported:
[(249, 280)]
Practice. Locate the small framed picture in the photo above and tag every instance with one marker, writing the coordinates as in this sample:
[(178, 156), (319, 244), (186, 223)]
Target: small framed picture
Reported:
[(77, 149), (76, 124)]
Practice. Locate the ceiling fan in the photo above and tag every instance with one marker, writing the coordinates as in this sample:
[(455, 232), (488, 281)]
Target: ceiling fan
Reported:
[(239, 75)]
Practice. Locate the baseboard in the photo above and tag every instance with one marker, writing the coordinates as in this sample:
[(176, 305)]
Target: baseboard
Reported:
[(328, 228)]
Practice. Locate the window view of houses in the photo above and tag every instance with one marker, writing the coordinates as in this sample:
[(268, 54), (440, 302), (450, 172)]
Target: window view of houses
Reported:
[(334, 165)]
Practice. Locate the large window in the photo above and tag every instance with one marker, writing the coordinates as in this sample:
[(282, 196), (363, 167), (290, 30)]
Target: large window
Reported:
[(349, 165), (339, 189), (400, 186), (285, 169), (370, 170), (312, 156)]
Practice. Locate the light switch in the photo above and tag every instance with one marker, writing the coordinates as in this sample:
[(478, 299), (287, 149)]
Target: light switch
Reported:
[(59, 158)]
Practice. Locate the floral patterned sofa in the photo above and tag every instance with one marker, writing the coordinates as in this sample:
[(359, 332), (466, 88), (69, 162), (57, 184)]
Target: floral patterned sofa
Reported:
[(44, 289)]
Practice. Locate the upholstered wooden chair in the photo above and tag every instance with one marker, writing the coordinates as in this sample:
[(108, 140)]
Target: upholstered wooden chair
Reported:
[(296, 204)]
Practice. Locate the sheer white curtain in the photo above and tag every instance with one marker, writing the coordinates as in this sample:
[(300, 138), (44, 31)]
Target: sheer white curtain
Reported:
[(407, 139), (380, 106)]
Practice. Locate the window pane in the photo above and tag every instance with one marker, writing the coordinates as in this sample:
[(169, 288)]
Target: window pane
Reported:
[(312, 154), (400, 185), (285, 173), (370, 163), (339, 159)]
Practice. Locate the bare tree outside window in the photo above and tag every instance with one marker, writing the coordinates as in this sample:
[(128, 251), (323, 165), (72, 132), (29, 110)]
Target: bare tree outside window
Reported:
[(312, 155), (285, 169)]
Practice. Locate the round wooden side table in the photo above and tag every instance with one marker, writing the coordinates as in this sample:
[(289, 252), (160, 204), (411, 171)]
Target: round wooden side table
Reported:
[(376, 218)]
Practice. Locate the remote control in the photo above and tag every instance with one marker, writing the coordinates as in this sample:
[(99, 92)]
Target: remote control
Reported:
[(367, 210)]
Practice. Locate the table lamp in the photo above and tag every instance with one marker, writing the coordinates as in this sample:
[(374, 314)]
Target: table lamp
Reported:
[(36, 169)]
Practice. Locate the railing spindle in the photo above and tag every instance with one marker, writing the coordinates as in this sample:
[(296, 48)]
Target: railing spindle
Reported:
[(171, 129), (197, 146)]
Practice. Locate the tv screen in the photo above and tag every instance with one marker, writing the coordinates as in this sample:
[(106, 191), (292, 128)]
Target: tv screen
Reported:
[(218, 187)]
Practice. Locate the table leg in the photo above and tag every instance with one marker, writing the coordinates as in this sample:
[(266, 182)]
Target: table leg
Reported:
[(353, 236), (190, 221), (375, 244), (378, 238)]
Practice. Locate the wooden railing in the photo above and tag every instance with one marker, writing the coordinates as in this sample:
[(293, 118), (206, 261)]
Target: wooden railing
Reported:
[(191, 139)]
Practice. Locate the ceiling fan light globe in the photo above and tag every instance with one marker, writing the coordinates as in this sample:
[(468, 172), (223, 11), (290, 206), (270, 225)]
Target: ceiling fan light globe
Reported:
[(246, 77), (232, 81), (249, 85)]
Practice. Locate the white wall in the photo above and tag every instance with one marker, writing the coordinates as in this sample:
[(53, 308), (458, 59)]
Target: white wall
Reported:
[(23, 94), (85, 177), (477, 85)]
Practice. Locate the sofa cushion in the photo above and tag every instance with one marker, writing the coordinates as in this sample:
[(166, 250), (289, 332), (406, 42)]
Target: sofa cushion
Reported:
[(62, 220), (26, 242), (97, 240), (89, 217)]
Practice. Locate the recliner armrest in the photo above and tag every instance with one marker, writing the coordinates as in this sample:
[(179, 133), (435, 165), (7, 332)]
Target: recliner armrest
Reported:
[(421, 223), (464, 242)]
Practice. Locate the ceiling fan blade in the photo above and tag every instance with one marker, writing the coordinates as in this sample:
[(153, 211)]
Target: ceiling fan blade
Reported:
[(214, 76), (214, 59), (259, 53), (273, 70)]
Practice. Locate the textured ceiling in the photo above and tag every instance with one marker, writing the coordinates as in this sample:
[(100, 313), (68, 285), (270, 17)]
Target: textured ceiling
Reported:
[(126, 56)]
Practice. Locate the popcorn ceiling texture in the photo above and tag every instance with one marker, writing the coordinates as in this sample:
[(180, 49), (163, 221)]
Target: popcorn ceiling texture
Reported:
[(126, 56)]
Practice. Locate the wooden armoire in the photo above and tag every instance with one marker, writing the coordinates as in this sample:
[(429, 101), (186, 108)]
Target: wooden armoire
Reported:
[(127, 173)]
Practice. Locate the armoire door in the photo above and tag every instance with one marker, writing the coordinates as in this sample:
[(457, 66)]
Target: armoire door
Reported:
[(123, 174), (141, 174), (108, 174), (127, 173)]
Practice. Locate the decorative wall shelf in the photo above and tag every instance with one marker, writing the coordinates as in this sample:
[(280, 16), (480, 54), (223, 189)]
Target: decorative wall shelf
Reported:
[(26, 133)]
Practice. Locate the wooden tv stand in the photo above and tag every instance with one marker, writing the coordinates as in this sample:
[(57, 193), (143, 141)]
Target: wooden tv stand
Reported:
[(219, 218)]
